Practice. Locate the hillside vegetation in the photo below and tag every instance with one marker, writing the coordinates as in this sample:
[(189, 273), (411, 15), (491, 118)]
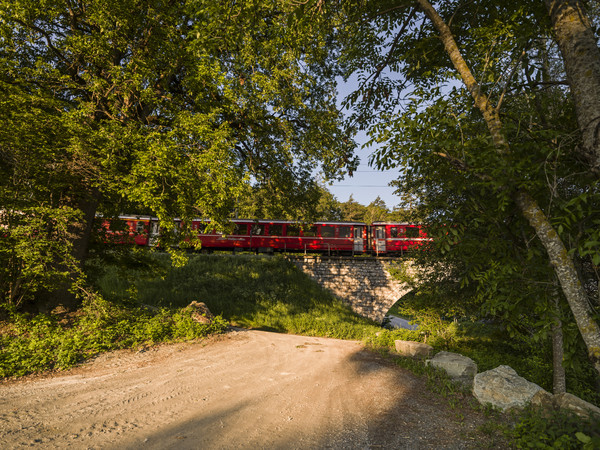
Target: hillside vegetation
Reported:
[(267, 293), (141, 299)]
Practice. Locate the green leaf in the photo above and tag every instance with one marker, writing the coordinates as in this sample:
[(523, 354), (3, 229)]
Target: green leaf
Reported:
[(581, 437)]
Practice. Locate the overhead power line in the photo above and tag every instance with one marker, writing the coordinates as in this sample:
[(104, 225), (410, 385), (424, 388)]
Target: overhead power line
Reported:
[(362, 185)]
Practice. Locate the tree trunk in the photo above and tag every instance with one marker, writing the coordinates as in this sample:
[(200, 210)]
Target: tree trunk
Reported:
[(83, 231), (559, 379), (63, 297), (559, 257), (566, 274), (581, 57)]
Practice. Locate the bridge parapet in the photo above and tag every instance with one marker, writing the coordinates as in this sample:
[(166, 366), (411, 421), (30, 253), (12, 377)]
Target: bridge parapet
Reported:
[(363, 283)]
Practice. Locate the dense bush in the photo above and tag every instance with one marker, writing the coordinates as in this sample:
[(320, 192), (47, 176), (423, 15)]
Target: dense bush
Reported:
[(44, 341), (557, 430)]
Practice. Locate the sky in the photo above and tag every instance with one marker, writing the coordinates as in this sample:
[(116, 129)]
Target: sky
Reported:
[(367, 183)]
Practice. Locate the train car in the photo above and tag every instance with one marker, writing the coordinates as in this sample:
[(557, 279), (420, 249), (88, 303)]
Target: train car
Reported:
[(394, 238), (380, 238), (284, 236), (130, 229)]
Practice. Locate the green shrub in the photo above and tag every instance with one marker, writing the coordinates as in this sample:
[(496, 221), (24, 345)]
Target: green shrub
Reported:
[(33, 344), (385, 338), (559, 429)]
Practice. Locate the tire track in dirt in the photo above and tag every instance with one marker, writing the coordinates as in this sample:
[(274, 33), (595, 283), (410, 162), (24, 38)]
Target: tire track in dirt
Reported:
[(246, 389)]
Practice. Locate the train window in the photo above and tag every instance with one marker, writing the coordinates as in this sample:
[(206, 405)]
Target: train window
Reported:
[(276, 229), (396, 232), (379, 232), (139, 227), (310, 231), (293, 230), (412, 232), (345, 232), (358, 232), (327, 231), (206, 230), (240, 229), (258, 229)]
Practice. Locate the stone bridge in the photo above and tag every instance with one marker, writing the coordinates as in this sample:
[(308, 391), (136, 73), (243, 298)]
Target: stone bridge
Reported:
[(363, 283)]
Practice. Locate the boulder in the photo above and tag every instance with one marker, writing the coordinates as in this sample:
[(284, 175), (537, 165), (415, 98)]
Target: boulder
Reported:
[(460, 368), (200, 312), (543, 400), (414, 349), (504, 388), (576, 405)]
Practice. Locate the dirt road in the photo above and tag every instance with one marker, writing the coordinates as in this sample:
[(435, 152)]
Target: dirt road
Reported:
[(247, 389)]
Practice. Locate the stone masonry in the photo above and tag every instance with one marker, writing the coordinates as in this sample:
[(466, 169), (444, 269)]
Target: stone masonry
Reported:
[(362, 283)]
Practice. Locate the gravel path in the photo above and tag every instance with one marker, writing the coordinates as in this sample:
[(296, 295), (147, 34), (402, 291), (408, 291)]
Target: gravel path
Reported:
[(245, 389)]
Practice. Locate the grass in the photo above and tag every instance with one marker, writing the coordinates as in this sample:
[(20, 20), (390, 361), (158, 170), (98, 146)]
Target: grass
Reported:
[(558, 429), (259, 292)]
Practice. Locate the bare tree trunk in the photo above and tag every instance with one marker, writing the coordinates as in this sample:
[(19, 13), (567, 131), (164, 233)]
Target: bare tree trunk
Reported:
[(559, 379), (581, 56), (566, 274), (557, 252)]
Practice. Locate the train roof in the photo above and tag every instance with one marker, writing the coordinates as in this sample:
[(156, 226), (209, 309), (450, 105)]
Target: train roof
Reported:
[(276, 221), (127, 217), (294, 222), (404, 224)]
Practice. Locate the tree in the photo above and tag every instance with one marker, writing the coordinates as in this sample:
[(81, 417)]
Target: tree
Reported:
[(473, 153), (581, 55), (172, 108), (352, 211), (329, 208), (313, 202), (559, 258), (376, 211)]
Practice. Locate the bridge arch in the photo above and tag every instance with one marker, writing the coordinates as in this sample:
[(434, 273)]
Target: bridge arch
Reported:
[(364, 284)]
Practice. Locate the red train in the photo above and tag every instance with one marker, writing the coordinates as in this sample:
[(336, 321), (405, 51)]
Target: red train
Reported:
[(380, 238)]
